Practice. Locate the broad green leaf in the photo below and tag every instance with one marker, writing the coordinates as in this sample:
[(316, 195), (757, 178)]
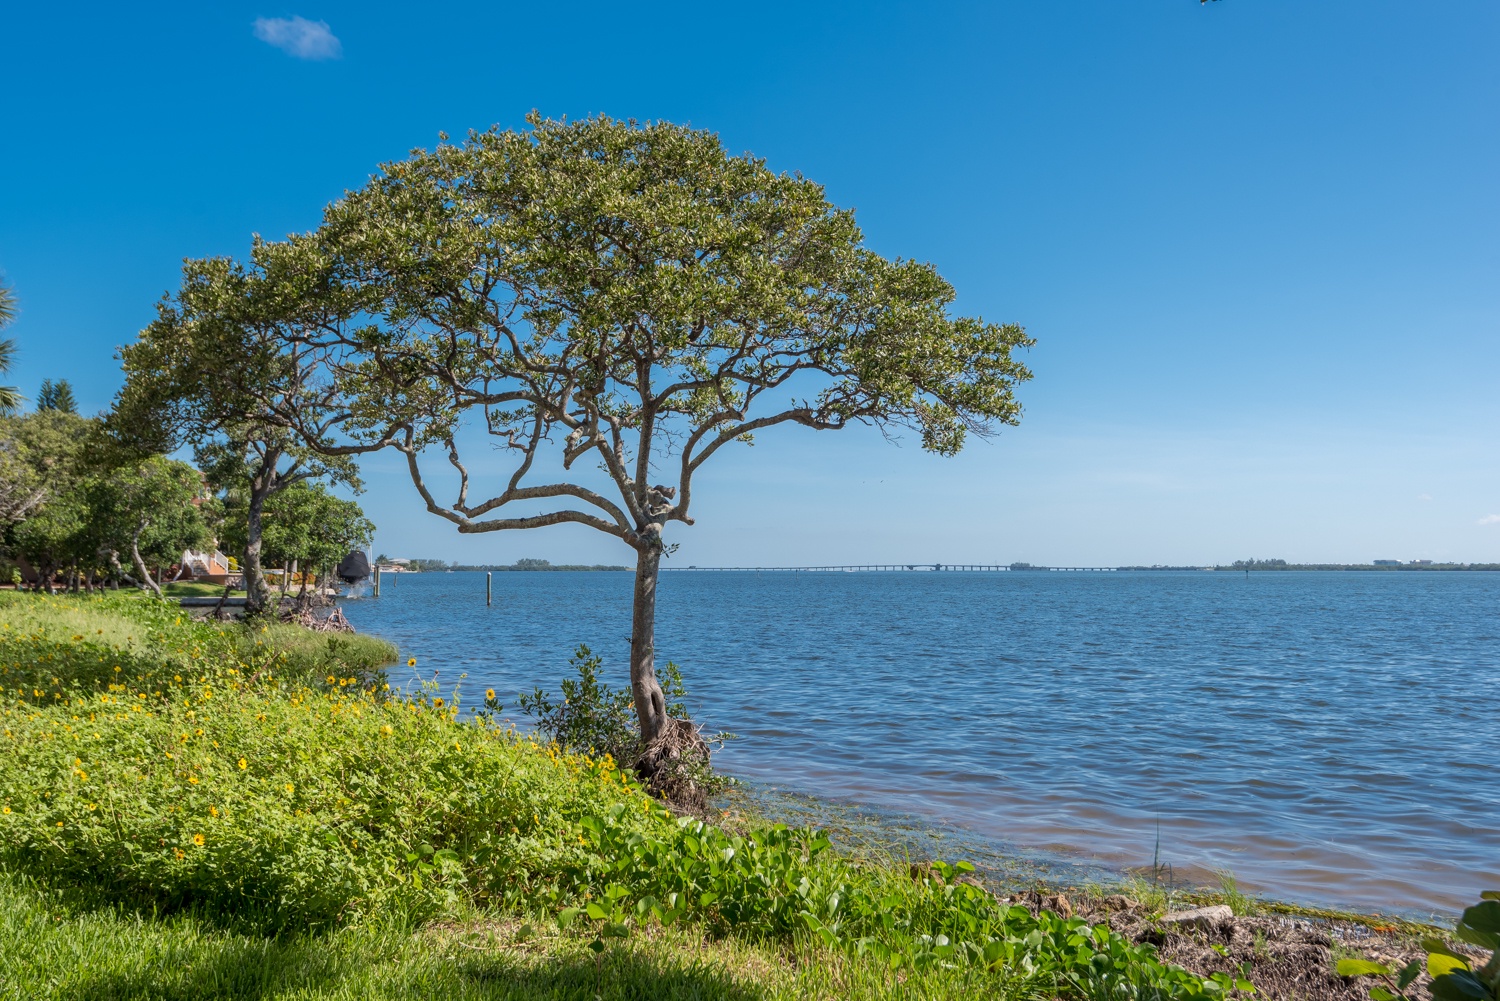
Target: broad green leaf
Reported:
[(1440, 963), (1484, 916), (1460, 986), (1362, 968)]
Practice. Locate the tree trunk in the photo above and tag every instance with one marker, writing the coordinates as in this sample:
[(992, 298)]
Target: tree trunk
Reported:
[(650, 704), (256, 592), (140, 564)]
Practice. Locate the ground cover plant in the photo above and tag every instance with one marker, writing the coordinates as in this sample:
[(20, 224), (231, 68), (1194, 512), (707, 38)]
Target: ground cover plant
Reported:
[(154, 765)]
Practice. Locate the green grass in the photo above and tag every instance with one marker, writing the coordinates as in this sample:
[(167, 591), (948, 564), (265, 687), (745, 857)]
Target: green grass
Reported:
[(198, 589), (54, 949), (197, 809)]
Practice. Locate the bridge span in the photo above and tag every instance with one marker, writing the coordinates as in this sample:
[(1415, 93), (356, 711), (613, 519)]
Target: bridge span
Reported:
[(903, 567)]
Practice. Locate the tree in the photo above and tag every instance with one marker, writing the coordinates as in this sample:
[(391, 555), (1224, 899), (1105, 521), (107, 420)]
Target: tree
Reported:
[(305, 525), (45, 459), (56, 396), (222, 368), (634, 296), (152, 508), (10, 397)]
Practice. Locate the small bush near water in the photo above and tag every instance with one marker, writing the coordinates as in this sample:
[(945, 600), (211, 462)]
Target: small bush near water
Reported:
[(218, 773)]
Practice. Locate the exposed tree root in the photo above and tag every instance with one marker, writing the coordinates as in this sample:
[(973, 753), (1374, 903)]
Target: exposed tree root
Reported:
[(674, 764)]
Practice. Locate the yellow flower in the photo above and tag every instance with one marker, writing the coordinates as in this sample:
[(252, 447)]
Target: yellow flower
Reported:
[(6, 810), (330, 679), (290, 788), (386, 730), (438, 701), (244, 764), (213, 811), (193, 779), (411, 662), (198, 840), (59, 823), (489, 693)]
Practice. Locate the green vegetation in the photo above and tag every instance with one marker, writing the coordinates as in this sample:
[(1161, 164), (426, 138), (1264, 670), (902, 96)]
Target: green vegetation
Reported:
[(198, 808), (1454, 977)]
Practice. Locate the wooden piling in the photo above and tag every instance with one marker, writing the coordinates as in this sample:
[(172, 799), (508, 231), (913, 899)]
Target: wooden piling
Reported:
[(377, 581), (489, 589)]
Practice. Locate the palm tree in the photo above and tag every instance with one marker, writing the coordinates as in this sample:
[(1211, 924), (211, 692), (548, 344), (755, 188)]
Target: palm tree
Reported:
[(10, 397)]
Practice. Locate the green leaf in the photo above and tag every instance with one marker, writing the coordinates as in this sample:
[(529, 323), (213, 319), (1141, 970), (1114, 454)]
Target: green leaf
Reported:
[(1490, 895), (596, 912), (1484, 916), (1460, 986), (1408, 973), (1439, 963), (1362, 968), (597, 945), (566, 915)]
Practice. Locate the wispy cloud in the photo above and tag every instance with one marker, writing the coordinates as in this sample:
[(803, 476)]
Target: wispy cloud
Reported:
[(1490, 519), (297, 36)]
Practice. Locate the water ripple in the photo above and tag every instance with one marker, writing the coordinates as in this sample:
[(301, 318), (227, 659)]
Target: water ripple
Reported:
[(1331, 738)]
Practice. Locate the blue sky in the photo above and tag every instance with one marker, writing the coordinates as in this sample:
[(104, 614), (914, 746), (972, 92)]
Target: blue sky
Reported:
[(1256, 240)]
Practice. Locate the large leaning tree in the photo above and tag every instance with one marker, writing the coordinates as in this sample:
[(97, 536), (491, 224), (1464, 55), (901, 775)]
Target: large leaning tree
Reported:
[(225, 367), (613, 304)]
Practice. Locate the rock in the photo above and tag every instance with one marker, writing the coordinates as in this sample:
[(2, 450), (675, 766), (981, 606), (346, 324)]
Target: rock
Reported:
[(1200, 917), (1120, 902), (1058, 904)]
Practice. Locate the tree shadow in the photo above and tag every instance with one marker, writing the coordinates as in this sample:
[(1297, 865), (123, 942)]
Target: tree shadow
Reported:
[(255, 969)]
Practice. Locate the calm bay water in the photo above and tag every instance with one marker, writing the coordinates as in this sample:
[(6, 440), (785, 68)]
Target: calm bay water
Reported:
[(1330, 738)]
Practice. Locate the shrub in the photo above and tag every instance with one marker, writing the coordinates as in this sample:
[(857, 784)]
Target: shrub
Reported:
[(1453, 975), (293, 809), (594, 718)]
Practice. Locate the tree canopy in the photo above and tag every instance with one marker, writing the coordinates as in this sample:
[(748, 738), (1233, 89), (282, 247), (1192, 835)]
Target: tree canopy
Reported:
[(10, 397), (56, 396), (635, 296), (627, 295)]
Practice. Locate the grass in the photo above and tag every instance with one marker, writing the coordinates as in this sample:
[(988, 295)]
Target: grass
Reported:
[(204, 809), (57, 950), (198, 589)]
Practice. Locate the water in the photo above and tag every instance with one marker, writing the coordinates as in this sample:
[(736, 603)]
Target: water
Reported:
[(1330, 738)]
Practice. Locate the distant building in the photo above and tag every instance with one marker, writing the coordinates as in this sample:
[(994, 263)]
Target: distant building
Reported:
[(213, 568), (1385, 563), (1421, 563)]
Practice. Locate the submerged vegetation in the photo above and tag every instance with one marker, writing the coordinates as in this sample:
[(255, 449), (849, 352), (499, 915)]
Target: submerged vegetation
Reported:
[(246, 791)]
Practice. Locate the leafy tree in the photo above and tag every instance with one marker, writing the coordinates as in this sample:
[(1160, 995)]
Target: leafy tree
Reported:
[(56, 396), (223, 369), (152, 508), (633, 296), (44, 458), (305, 525), (10, 397)]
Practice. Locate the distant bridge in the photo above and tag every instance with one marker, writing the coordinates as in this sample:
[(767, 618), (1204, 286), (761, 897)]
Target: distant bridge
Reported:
[(889, 567)]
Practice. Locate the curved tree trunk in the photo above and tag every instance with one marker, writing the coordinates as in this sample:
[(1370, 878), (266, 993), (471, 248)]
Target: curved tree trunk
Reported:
[(256, 591), (140, 564), (673, 754), (650, 704)]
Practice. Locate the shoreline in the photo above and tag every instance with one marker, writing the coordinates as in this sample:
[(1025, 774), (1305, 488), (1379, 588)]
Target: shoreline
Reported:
[(862, 829)]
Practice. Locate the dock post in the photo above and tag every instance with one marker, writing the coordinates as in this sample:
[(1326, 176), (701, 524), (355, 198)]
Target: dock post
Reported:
[(489, 589), (377, 581)]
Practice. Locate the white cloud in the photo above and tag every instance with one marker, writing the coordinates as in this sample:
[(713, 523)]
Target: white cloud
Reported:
[(1490, 519), (297, 36)]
